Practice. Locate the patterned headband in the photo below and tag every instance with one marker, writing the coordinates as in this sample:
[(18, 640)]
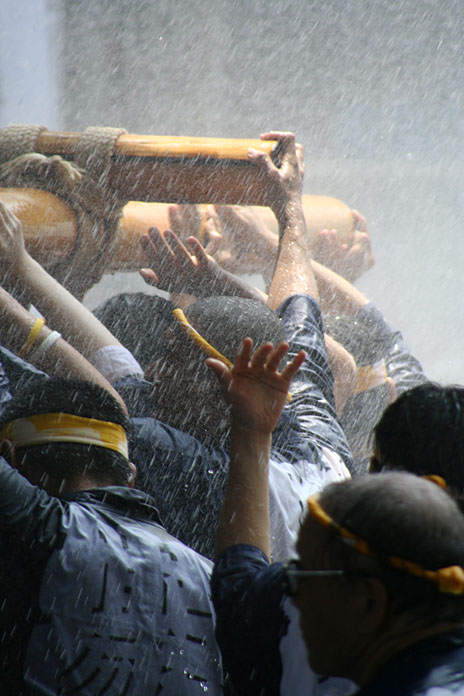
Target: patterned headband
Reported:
[(65, 427), (450, 580)]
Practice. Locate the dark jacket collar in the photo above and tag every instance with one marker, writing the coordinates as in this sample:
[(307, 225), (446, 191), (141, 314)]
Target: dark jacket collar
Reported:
[(129, 501)]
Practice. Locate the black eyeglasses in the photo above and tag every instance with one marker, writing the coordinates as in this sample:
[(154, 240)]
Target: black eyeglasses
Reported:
[(292, 574), (375, 465)]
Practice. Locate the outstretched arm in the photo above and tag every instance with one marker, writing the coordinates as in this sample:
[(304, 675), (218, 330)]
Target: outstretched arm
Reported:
[(31, 283), (293, 272), (48, 351), (335, 293), (257, 393), (178, 268)]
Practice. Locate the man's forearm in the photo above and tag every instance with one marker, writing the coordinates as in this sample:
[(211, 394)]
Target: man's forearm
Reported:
[(337, 294), (63, 311), (229, 284), (244, 517), (293, 272), (59, 358)]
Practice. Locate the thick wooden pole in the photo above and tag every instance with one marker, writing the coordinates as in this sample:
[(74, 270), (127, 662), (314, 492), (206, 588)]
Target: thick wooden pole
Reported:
[(177, 169), (49, 224)]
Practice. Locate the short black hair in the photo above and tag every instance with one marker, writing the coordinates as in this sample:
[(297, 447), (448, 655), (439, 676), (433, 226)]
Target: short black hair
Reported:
[(399, 514), (64, 459), (138, 321), (225, 321), (423, 432)]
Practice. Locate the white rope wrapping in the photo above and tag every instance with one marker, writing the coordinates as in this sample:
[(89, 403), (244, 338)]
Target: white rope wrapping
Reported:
[(95, 148), (96, 207), (44, 346)]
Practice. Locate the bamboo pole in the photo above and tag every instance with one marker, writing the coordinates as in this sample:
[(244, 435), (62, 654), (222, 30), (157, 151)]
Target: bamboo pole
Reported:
[(50, 227), (177, 169), (49, 224), (321, 212)]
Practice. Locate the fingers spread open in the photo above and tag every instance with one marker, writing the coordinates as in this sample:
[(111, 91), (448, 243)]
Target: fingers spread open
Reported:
[(261, 355), (275, 357), (292, 368), (148, 241), (243, 356), (179, 252)]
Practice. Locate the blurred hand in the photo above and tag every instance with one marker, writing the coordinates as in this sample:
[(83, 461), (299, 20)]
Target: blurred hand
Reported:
[(349, 260), (12, 250), (187, 221), (254, 387), (242, 243)]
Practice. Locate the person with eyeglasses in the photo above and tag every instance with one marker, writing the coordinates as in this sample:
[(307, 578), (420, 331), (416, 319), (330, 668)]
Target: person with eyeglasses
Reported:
[(269, 665), (379, 586)]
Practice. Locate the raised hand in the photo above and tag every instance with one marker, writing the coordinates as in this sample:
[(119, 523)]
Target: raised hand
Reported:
[(284, 184), (175, 267), (12, 250), (254, 387), (349, 260)]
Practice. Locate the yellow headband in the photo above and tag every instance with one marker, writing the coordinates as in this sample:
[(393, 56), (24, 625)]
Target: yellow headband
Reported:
[(202, 343), (436, 479), (370, 376), (65, 427), (449, 580)]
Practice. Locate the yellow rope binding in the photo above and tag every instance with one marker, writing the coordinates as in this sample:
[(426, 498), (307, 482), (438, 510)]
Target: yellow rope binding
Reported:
[(203, 344), (199, 341), (450, 580)]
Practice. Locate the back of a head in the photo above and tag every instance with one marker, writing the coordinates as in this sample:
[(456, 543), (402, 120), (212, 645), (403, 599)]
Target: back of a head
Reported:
[(423, 432), (403, 516), (138, 321), (68, 459), (187, 394), (225, 321)]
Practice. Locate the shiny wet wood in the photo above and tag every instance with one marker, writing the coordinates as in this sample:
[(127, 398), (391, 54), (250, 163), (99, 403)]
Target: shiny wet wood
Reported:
[(177, 169)]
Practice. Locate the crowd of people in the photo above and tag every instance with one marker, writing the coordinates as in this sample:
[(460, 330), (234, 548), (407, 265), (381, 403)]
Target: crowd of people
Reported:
[(232, 490)]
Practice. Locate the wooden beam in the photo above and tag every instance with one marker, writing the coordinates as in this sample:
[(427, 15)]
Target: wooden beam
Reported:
[(177, 169)]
